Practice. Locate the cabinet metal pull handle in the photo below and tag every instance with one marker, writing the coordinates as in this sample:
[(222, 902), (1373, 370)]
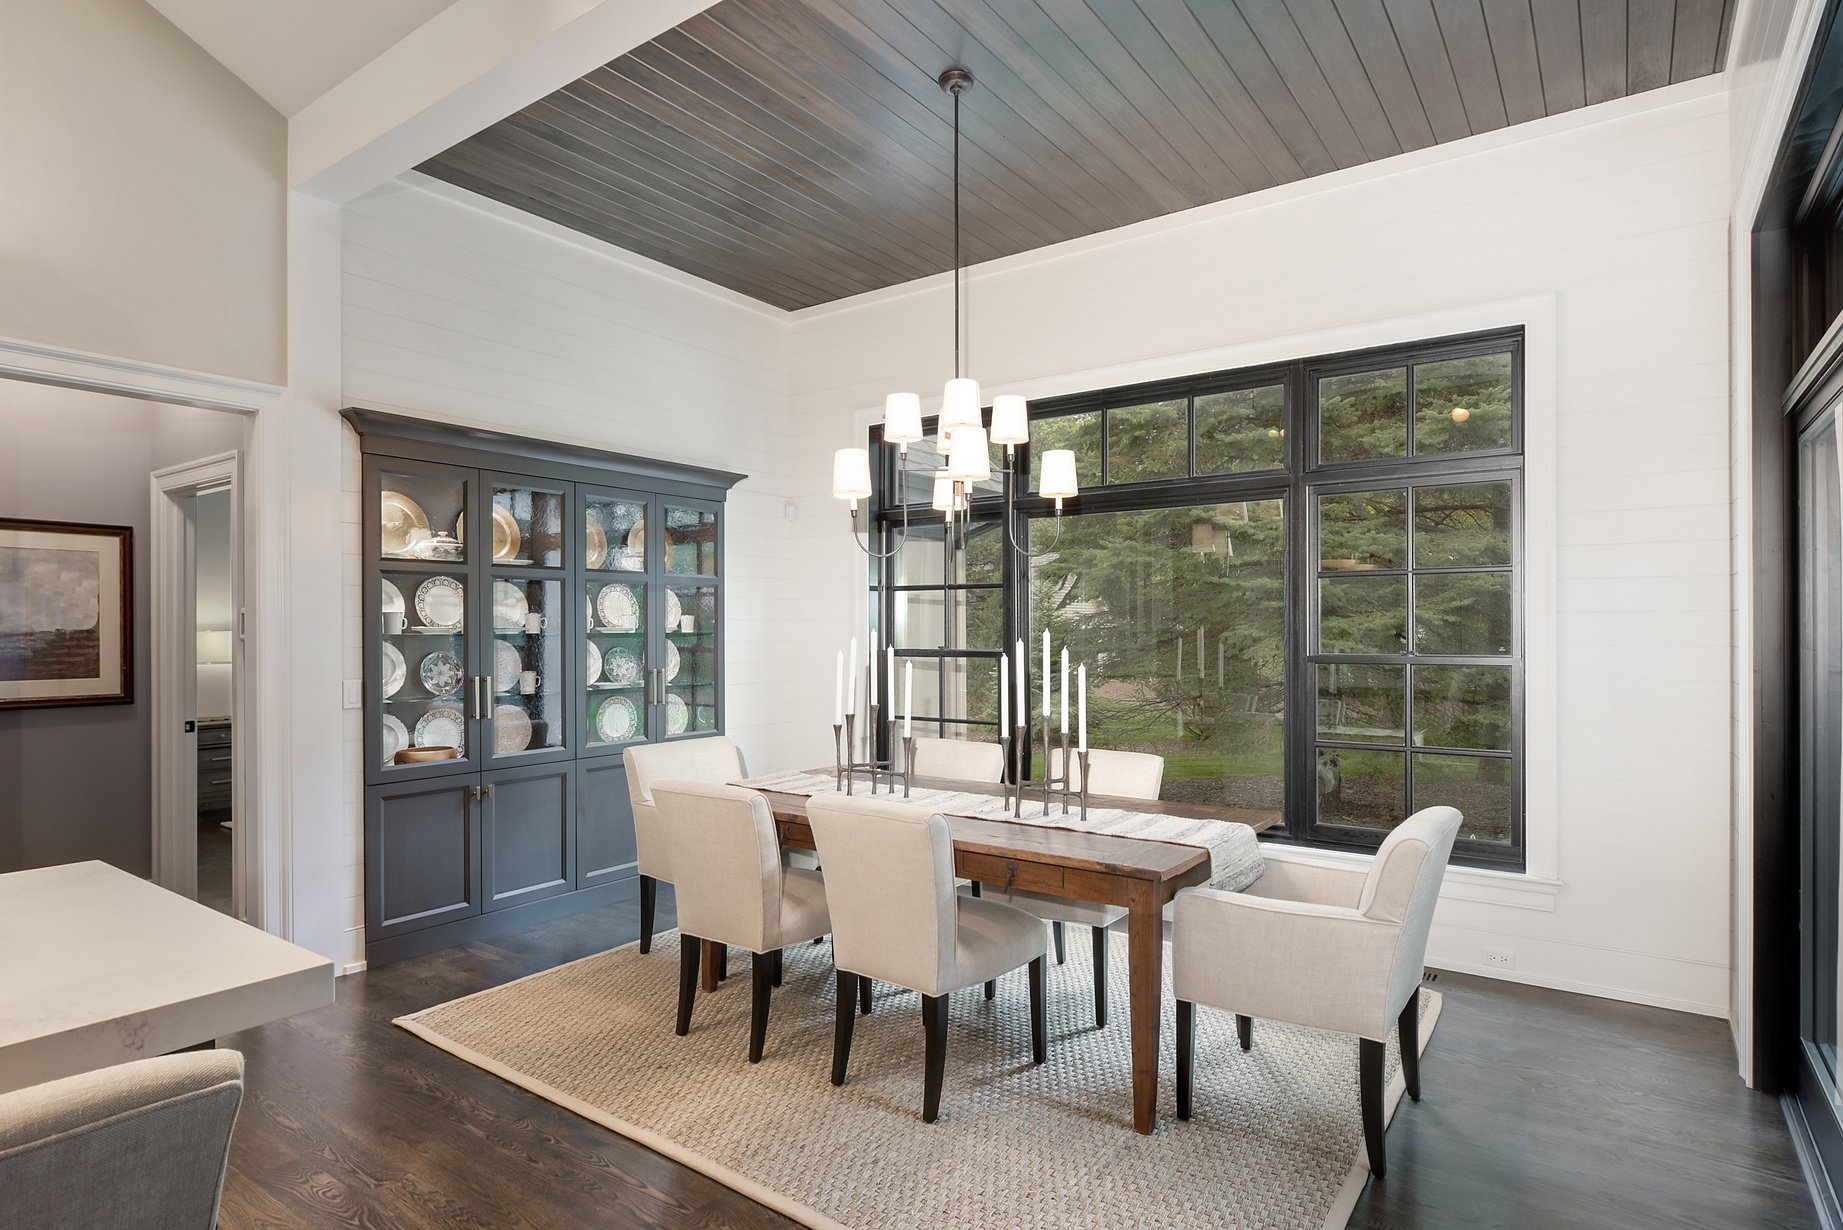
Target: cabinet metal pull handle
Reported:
[(219, 759), (476, 791), (489, 792), (479, 705)]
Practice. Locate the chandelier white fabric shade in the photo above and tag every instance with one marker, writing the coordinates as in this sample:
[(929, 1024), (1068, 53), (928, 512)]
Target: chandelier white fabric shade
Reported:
[(902, 418), (959, 407), (968, 459), (1057, 478), (1010, 420), (851, 474), (945, 499)]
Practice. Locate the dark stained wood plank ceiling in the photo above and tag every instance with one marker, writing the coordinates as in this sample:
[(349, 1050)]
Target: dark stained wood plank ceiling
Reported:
[(799, 151)]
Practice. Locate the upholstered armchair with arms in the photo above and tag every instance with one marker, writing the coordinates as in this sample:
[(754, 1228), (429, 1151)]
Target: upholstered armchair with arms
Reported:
[(143, 1144), (713, 761), (1321, 947)]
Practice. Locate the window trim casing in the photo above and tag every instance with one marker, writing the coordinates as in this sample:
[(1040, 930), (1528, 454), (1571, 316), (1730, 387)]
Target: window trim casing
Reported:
[(1543, 876)]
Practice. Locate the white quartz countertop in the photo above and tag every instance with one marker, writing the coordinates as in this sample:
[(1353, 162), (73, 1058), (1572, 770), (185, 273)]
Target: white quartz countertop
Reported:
[(100, 967)]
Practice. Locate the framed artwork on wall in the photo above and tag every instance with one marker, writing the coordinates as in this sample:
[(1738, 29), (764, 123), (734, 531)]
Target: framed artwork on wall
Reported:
[(66, 614)]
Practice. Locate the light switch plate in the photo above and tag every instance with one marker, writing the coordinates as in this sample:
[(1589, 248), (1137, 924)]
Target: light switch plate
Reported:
[(355, 693)]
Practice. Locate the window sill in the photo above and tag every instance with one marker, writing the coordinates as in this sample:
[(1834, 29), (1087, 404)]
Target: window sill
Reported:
[(1518, 890)]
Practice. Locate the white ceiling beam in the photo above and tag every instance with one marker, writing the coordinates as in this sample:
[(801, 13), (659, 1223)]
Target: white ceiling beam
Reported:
[(468, 67)]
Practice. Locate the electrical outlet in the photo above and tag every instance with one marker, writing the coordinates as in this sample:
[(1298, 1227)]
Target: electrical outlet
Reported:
[(1501, 958), (355, 695)]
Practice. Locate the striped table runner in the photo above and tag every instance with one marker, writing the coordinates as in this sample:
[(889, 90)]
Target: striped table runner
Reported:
[(1234, 851)]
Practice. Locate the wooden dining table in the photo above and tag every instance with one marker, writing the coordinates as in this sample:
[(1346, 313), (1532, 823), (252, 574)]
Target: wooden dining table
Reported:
[(1132, 872)]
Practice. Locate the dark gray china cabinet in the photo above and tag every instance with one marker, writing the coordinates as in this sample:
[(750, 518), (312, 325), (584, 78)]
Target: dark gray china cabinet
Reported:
[(537, 608)]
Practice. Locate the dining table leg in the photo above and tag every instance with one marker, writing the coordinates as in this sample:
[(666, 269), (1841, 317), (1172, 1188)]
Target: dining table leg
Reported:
[(1145, 946)]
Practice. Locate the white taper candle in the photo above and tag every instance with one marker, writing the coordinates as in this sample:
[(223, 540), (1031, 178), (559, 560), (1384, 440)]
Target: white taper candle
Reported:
[(908, 699), (1004, 696), (838, 692), (890, 691), (1023, 697), (1065, 689), (1046, 678), (1081, 685), (851, 693)]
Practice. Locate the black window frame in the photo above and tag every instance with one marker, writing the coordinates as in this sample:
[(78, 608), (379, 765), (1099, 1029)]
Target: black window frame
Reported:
[(1298, 483)]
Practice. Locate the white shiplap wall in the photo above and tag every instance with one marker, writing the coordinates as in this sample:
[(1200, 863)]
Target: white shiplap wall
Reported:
[(1617, 215), (458, 310)]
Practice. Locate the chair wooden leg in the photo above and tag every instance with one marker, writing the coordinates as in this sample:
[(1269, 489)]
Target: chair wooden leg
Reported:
[(1244, 1029), (1186, 1054), (842, 1020), (864, 989), (649, 898), (1039, 1032), (1409, 1031), (991, 991), (1370, 1056), (934, 1067), (1062, 951), (689, 949), (761, 986), (780, 968), (1100, 977), (977, 889), (723, 962)]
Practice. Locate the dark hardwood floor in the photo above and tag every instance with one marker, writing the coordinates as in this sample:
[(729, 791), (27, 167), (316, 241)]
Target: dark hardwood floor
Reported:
[(1541, 1110)]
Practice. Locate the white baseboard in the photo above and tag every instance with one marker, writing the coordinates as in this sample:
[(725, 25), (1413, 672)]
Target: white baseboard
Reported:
[(351, 967), (1597, 990)]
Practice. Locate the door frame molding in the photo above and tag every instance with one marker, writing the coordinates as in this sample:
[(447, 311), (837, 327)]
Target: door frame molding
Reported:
[(261, 786), (173, 565)]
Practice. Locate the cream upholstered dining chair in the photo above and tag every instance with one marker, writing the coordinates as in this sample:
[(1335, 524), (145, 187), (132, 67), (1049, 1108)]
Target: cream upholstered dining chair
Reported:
[(139, 1144), (960, 760), (712, 760), (1127, 775), (896, 918), (733, 889), (1328, 948)]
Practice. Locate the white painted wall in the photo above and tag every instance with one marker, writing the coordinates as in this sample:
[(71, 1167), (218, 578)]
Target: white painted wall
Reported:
[(145, 220), (1617, 216), (460, 310)]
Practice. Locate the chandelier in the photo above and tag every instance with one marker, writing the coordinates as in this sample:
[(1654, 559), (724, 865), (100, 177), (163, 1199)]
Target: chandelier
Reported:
[(964, 440)]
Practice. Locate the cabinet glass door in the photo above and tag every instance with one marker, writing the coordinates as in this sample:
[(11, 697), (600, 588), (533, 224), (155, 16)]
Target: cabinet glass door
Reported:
[(690, 662), (424, 687), (617, 679), (527, 661)]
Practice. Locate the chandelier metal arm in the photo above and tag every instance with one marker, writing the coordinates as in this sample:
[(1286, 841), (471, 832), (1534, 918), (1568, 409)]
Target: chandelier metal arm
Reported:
[(902, 486)]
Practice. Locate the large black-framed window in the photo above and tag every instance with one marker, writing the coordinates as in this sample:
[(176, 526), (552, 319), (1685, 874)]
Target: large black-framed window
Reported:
[(1302, 584)]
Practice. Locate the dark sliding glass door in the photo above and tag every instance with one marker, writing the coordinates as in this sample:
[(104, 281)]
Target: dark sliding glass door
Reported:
[(1820, 770)]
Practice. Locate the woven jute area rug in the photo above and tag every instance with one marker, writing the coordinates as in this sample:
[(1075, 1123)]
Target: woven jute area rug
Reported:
[(1275, 1142)]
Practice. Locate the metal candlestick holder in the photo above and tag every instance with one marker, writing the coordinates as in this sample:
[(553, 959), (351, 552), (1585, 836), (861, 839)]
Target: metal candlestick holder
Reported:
[(846, 764), (1049, 784)]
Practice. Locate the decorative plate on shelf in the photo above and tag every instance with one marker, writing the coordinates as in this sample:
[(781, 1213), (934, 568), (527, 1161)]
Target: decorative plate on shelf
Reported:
[(506, 666), (678, 714), (674, 608), (509, 607), (620, 666), (441, 603), (511, 729), (442, 726), (399, 516), (441, 674), (673, 661), (595, 545), (618, 607), (396, 737), (391, 595), (594, 671), (616, 719), (395, 670)]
